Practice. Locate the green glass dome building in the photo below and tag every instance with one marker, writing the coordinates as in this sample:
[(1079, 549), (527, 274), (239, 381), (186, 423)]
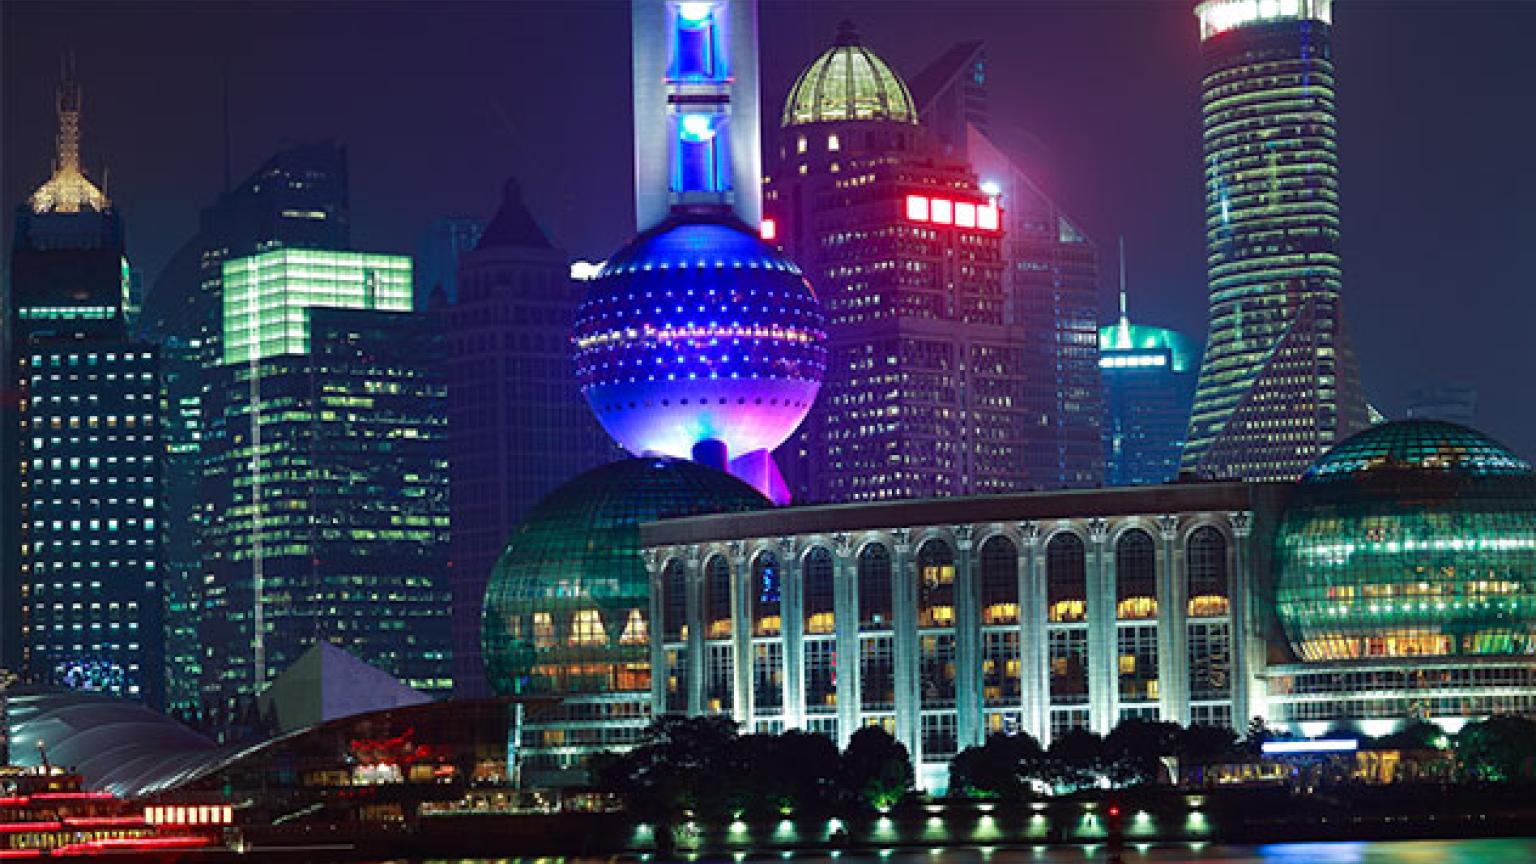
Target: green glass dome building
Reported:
[(567, 609), (1410, 540), (848, 82)]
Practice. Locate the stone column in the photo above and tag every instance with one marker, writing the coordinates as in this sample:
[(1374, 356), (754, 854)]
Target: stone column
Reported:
[(1103, 647), (693, 568), (741, 635), (1172, 626), (653, 570), (905, 647), (845, 611), (1246, 669), (970, 725), (791, 629), (1034, 656)]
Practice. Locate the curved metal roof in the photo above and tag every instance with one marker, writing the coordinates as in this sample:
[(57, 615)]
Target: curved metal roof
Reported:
[(1432, 446)]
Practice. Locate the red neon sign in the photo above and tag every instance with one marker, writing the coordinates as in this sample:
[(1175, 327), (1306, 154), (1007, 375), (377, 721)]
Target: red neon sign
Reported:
[(768, 230), (946, 211)]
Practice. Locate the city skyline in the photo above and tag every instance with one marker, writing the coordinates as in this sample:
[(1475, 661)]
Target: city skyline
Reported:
[(471, 129)]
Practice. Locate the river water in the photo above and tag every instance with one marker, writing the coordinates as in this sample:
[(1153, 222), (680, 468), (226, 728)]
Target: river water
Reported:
[(1496, 851)]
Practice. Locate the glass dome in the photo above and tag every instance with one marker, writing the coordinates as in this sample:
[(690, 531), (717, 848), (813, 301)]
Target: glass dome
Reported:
[(698, 330), (1413, 539), (568, 605), (848, 82)]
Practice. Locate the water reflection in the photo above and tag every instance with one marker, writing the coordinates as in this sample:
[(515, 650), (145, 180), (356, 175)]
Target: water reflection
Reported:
[(1500, 851)]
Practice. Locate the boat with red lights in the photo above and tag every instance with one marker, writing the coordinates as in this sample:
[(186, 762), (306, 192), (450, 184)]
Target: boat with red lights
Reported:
[(46, 814)]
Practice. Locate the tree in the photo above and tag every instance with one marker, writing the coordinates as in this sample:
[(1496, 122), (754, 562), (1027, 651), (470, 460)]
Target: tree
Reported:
[(1414, 735), (1002, 767), (777, 773), (1134, 750), (876, 768), (1501, 748), (1076, 759), (676, 766), (1202, 745)]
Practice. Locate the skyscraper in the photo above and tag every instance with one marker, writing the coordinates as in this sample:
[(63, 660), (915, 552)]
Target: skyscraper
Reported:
[(84, 534), (1278, 384), (438, 252), (1050, 278), (517, 425), (297, 198), (327, 473), (1452, 401), (1148, 383), (924, 370)]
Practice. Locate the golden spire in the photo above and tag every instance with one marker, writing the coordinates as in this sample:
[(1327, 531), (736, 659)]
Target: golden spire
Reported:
[(68, 190)]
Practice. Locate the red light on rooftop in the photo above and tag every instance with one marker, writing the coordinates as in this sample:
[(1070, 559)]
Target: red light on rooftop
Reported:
[(988, 218), (769, 230), (943, 211), (965, 214), (917, 208)]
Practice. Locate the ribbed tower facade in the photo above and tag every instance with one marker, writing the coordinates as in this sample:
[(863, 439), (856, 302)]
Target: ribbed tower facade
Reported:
[(1278, 385)]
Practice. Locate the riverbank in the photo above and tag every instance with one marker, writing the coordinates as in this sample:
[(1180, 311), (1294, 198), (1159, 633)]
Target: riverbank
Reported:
[(1153, 816)]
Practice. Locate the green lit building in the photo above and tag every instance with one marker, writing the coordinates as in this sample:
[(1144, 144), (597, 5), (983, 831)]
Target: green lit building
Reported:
[(1405, 581), (1278, 385), (327, 474)]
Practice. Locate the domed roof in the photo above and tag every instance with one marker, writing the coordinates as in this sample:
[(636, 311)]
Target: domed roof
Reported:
[(699, 330), (1410, 540), (1416, 445), (848, 82), (567, 605)]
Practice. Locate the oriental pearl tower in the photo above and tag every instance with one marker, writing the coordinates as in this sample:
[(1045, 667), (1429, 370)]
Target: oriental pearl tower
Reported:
[(698, 339)]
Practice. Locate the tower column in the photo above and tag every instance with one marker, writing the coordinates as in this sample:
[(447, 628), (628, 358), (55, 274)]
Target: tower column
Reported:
[(905, 647), (1103, 647), (1172, 626), (845, 613), (693, 568), (1246, 677), (1034, 656), (969, 725), (792, 630), (741, 635)]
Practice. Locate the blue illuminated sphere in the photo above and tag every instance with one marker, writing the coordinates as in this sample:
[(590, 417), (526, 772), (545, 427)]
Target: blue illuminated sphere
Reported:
[(698, 331)]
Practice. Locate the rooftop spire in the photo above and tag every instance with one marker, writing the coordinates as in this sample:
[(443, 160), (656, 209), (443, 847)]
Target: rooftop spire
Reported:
[(68, 190), (1123, 317)]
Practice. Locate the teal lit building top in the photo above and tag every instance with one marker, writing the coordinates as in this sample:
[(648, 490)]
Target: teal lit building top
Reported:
[(1125, 345), (1411, 540), (267, 296), (1148, 379)]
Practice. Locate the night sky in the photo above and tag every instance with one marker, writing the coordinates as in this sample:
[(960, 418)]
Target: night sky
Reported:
[(439, 103)]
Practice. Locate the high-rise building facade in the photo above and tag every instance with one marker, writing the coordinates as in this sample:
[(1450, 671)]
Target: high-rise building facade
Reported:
[(924, 370), (327, 474), (297, 198), (1051, 276), (1149, 380), (517, 424), (1278, 384), (1451, 401), (83, 450), (438, 252)]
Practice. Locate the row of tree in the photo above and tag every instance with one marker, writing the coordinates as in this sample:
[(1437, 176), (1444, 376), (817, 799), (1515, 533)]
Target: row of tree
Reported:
[(704, 766)]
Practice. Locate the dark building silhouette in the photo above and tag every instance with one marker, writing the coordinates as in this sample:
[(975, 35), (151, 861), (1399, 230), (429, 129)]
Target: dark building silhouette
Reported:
[(83, 450), (518, 425), (438, 252)]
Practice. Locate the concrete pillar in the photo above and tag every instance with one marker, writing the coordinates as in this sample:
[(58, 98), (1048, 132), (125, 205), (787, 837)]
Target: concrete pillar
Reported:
[(693, 568), (845, 610), (1245, 669), (741, 635), (905, 647), (654, 564), (1103, 647), (791, 629), (1034, 658), (1172, 626), (970, 725)]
